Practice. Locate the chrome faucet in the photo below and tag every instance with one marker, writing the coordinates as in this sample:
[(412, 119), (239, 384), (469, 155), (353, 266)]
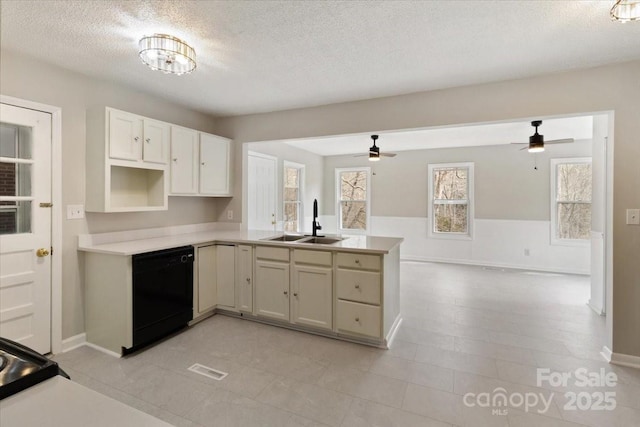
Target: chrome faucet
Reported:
[(315, 226)]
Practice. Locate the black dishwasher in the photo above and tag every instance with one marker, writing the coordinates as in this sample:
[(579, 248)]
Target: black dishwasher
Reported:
[(162, 293)]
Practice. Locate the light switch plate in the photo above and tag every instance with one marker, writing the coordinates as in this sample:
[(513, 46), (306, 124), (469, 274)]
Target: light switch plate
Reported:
[(229, 214), (75, 211), (633, 216)]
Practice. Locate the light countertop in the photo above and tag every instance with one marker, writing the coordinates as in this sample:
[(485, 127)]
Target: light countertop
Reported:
[(62, 402), (362, 244)]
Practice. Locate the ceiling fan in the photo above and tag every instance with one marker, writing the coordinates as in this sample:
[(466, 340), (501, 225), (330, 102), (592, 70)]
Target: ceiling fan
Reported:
[(536, 141), (374, 151)]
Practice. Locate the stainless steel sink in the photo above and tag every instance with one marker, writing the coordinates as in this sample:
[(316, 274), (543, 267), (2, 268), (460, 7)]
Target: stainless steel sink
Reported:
[(285, 238), (321, 240)]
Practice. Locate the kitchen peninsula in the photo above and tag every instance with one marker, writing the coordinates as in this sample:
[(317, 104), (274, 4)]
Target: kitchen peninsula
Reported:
[(344, 287)]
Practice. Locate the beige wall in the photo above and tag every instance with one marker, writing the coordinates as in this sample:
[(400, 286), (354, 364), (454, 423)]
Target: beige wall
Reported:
[(74, 93), (614, 87), (505, 184)]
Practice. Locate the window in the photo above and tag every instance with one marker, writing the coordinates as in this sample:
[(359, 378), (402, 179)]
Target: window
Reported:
[(451, 200), (571, 200), (293, 177), (353, 192)]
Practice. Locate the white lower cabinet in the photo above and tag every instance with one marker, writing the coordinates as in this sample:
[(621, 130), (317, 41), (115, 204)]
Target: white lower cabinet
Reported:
[(272, 289), (312, 289), (205, 295), (225, 275), (214, 284), (359, 295), (244, 278)]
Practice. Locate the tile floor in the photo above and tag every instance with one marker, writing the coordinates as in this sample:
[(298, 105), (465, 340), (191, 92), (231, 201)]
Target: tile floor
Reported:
[(466, 330)]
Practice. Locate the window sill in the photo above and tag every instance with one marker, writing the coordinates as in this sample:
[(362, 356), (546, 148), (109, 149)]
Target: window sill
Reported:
[(450, 236)]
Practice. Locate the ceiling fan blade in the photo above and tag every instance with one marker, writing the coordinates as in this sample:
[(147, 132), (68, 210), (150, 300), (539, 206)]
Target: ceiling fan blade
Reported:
[(388, 154), (524, 148), (361, 155), (559, 141), (520, 143)]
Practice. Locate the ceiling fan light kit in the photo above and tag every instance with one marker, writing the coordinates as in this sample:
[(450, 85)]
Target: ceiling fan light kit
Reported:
[(374, 151), (536, 141), (625, 10), (169, 54)]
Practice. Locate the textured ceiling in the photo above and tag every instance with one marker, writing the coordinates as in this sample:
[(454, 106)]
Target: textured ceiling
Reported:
[(578, 128), (259, 56)]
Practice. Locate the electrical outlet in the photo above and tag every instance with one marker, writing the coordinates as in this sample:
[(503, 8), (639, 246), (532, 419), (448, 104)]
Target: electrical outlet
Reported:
[(75, 211), (527, 252), (633, 216), (229, 214)]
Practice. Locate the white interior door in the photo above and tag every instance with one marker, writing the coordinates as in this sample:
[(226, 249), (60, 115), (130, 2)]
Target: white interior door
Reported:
[(25, 227), (261, 201)]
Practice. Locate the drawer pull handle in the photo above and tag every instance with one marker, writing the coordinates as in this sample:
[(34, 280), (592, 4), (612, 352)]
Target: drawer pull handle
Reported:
[(136, 138), (248, 280), (148, 140), (357, 319), (286, 293), (357, 286), (295, 294), (357, 261)]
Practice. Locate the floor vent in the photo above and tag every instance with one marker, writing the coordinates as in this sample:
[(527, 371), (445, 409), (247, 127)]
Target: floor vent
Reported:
[(207, 371)]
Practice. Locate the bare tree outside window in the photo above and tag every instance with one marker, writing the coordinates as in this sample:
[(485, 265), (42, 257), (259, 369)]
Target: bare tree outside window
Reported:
[(450, 200), (573, 200), (353, 199), (291, 197)]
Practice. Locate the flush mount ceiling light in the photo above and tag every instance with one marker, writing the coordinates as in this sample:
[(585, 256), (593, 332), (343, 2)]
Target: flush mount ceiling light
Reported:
[(162, 52), (626, 10)]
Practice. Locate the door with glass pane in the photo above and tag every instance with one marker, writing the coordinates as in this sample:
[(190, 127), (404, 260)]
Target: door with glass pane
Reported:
[(25, 227)]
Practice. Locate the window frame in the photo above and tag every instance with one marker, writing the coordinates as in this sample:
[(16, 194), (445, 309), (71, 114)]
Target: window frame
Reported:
[(431, 168), (301, 174), (338, 201), (553, 205)]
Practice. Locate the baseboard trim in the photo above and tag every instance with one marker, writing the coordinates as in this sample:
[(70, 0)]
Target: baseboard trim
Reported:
[(74, 342), (103, 350), (493, 264), (625, 360), (599, 311), (392, 332)]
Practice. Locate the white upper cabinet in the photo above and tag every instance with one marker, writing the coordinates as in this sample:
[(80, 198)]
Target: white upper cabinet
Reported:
[(155, 147), (132, 137), (215, 153), (125, 135), (200, 163), (184, 160)]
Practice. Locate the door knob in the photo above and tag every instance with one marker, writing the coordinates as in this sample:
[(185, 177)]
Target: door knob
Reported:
[(42, 252)]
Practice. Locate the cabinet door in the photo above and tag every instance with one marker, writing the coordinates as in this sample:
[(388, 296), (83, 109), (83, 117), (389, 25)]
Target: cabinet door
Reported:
[(206, 293), (155, 148), (272, 289), (184, 160), (244, 278), (214, 165), (225, 275), (125, 135), (312, 299)]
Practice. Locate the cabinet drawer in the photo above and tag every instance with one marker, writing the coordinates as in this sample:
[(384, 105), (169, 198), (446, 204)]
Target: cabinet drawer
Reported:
[(302, 256), (359, 261), (358, 318), (361, 286), (268, 252)]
